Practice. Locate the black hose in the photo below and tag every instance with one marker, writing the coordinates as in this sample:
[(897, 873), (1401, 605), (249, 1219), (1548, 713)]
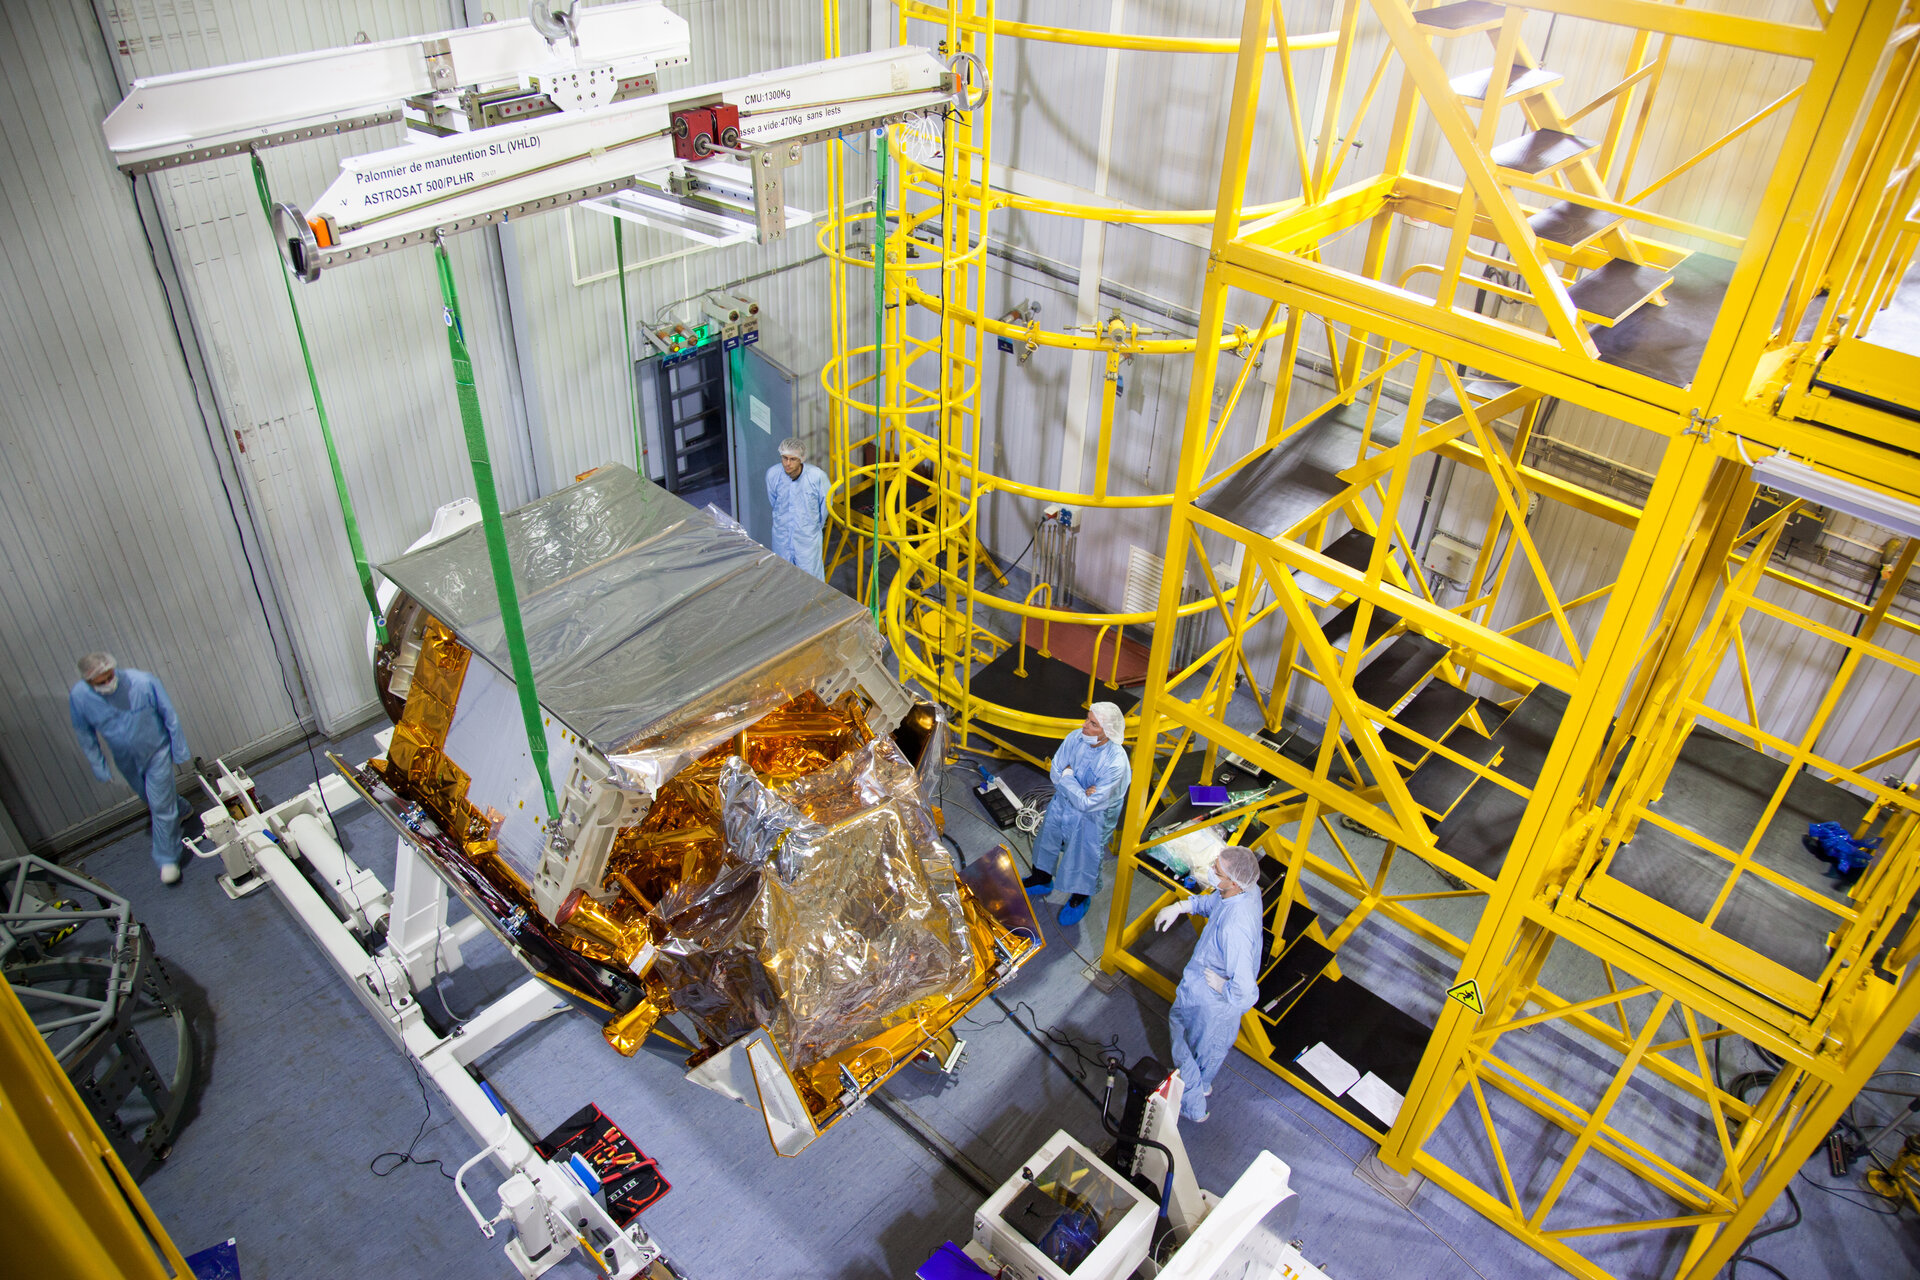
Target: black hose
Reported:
[(1107, 1123)]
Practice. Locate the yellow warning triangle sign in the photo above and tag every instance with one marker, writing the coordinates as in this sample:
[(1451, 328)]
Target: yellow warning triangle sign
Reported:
[(1468, 994)]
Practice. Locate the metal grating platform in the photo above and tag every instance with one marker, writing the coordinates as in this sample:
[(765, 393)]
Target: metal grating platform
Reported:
[(1718, 788)]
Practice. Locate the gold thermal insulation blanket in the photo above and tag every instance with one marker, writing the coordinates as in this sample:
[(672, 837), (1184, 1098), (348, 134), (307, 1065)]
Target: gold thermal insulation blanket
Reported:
[(831, 913)]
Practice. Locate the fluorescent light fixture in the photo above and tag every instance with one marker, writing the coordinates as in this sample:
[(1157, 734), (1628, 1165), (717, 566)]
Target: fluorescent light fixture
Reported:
[(714, 216), (701, 224), (1789, 475)]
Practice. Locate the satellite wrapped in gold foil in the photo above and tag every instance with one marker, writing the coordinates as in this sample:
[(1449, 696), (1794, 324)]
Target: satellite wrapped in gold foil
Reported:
[(748, 839)]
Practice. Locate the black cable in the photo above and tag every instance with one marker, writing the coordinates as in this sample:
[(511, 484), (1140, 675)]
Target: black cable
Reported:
[(1742, 1257), (1868, 1205), (226, 490), (403, 1158), (1078, 1079), (1017, 559)]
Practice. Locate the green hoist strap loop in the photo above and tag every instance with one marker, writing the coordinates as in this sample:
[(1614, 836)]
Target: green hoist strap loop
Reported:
[(482, 463), (879, 352), (626, 339), (326, 428)]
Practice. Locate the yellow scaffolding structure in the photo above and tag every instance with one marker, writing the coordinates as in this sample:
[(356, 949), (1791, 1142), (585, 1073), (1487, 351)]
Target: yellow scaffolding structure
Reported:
[(1548, 765), (906, 438)]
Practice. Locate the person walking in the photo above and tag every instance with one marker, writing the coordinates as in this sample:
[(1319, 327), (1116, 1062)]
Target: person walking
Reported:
[(129, 711)]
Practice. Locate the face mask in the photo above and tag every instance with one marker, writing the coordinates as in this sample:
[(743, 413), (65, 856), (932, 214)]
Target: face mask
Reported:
[(109, 686)]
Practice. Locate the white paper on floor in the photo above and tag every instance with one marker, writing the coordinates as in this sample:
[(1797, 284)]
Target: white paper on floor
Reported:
[(1334, 1072), (1379, 1097)]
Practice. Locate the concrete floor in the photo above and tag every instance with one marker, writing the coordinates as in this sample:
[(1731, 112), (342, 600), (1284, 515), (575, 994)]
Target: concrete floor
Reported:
[(301, 1091)]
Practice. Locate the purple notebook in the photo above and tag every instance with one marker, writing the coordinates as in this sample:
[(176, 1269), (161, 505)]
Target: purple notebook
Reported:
[(951, 1263), (1207, 797)]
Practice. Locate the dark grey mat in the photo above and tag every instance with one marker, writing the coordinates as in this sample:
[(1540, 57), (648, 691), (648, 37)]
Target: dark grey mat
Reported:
[(1718, 789), (1280, 488), (1666, 342)]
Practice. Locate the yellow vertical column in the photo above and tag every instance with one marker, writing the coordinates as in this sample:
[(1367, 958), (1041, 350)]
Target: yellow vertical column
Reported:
[(1255, 23)]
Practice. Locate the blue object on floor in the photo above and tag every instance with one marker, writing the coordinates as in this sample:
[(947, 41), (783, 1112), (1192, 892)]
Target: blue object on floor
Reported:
[(1070, 914), (1830, 842), (221, 1262), (950, 1262)]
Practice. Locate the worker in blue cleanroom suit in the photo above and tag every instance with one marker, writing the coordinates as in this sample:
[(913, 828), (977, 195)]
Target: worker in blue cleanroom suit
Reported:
[(1090, 776), (1221, 980), (129, 711), (798, 495)]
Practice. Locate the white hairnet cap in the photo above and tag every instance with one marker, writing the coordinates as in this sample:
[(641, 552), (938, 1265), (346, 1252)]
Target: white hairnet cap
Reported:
[(1111, 721), (95, 664), (1240, 865), (792, 448)]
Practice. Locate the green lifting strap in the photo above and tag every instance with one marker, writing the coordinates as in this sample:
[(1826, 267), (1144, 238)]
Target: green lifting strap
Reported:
[(320, 410), (626, 338), (879, 353), (482, 464)]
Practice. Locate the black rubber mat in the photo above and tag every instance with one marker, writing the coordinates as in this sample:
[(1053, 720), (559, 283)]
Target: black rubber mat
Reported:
[(1480, 829), (1432, 712), (1368, 1032), (1462, 16), (1718, 788), (1050, 688), (1352, 549), (1281, 487), (1288, 977), (1392, 676), (1617, 289), (1438, 784), (1540, 151), (1340, 625), (1299, 916), (1785, 929), (1527, 733), (1566, 223), (1666, 342)]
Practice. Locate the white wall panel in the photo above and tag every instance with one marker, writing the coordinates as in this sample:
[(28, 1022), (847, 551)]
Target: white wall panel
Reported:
[(376, 329), (113, 525), (571, 293)]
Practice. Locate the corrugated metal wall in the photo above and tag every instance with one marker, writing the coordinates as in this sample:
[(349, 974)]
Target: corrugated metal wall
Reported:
[(378, 338), (113, 525), (1167, 140), (159, 577), (571, 293)]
